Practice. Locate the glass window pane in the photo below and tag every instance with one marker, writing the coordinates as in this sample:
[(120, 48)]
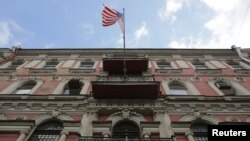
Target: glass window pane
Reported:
[(178, 92), (86, 65), (23, 91), (176, 89)]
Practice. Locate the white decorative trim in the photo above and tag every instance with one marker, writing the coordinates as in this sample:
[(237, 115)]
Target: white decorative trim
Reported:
[(240, 90), (45, 118), (209, 119), (232, 119), (117, 117), (10, 89), (191, 90)]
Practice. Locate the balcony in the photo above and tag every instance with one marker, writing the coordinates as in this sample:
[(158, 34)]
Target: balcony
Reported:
[(130, 87), (169, 71), (242, 71), (79, 70), (135, 64), (42, 70), (208, 71), (7, 70), (121, 139)]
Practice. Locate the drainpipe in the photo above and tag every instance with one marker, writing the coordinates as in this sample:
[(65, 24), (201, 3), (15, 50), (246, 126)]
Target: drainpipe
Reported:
[(238, 51)]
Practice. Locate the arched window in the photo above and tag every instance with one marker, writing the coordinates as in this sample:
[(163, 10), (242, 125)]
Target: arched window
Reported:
[(48, 131), (126, 129), (73, 87), (225, 87), (177, 89), (200, 131), (25, 88)]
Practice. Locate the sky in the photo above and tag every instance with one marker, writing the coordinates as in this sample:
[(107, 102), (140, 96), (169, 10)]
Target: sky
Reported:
[(149, 24)]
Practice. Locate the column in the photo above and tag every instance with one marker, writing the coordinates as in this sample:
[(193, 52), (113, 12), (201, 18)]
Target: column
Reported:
[(165, 122), (63, 135), (87, 128), (190, 135), (23, 134)]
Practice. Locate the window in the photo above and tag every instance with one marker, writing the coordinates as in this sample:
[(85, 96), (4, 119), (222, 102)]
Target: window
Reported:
[(15, 64), (50, 65), (126, 129), (200, 65), (225, 87), (73, 87), (25, 89), (86, 65), (177, 89), (48, 131), (200, 131), (235, 65), (164, 65)]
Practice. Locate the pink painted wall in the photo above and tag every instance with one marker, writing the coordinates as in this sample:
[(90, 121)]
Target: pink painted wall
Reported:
[(8, 136)]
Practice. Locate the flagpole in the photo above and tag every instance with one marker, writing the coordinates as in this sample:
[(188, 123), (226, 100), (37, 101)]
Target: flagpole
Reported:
[(124, 46)]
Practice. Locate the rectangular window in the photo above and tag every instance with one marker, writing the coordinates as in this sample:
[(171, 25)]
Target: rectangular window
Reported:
[(235, 65), (50, 65), (86, 65), (164, 65), (200, 65), (178, 92), (15, 64)]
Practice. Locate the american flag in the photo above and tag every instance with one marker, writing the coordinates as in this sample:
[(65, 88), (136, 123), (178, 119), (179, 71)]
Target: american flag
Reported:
[(111, 16)]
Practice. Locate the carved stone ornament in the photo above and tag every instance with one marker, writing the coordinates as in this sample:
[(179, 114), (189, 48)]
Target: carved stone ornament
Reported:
[(125, 114), (2, 116), (55, 114)]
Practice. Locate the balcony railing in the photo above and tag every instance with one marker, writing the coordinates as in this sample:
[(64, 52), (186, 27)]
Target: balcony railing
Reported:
[(7, 70), (122, 139), (208, 71), (42, 70), (130, 78), (78, 70), (169, 71), (242, 71), (119, 56)]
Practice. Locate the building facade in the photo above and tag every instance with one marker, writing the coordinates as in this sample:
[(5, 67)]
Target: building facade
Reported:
[(102, 94)]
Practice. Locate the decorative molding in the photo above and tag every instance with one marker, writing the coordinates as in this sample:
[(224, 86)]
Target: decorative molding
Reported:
[(232, 119), (119, 116), (202, 116)]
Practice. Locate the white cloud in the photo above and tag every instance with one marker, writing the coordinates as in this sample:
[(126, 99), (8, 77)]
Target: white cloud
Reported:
[(223, 27), (176, 44), (171, 7), (119, 42), (50, 45), (221, 5), (11, 33), (5, 34), (226, 23), (141, 32), (190, 42), (88, 28)]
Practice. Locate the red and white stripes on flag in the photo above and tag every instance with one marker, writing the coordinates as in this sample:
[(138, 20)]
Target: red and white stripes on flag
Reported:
[(111, 16)]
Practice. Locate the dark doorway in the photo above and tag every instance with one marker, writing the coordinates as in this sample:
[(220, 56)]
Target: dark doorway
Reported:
[(126, 129)]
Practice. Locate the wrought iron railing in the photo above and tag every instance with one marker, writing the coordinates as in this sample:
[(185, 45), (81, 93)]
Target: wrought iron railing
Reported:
[(42, 70), (122, 139), (7, 70), (168, 71), (133, 78), (242, 71), (126, 56), (208, 71), (79, 70)]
